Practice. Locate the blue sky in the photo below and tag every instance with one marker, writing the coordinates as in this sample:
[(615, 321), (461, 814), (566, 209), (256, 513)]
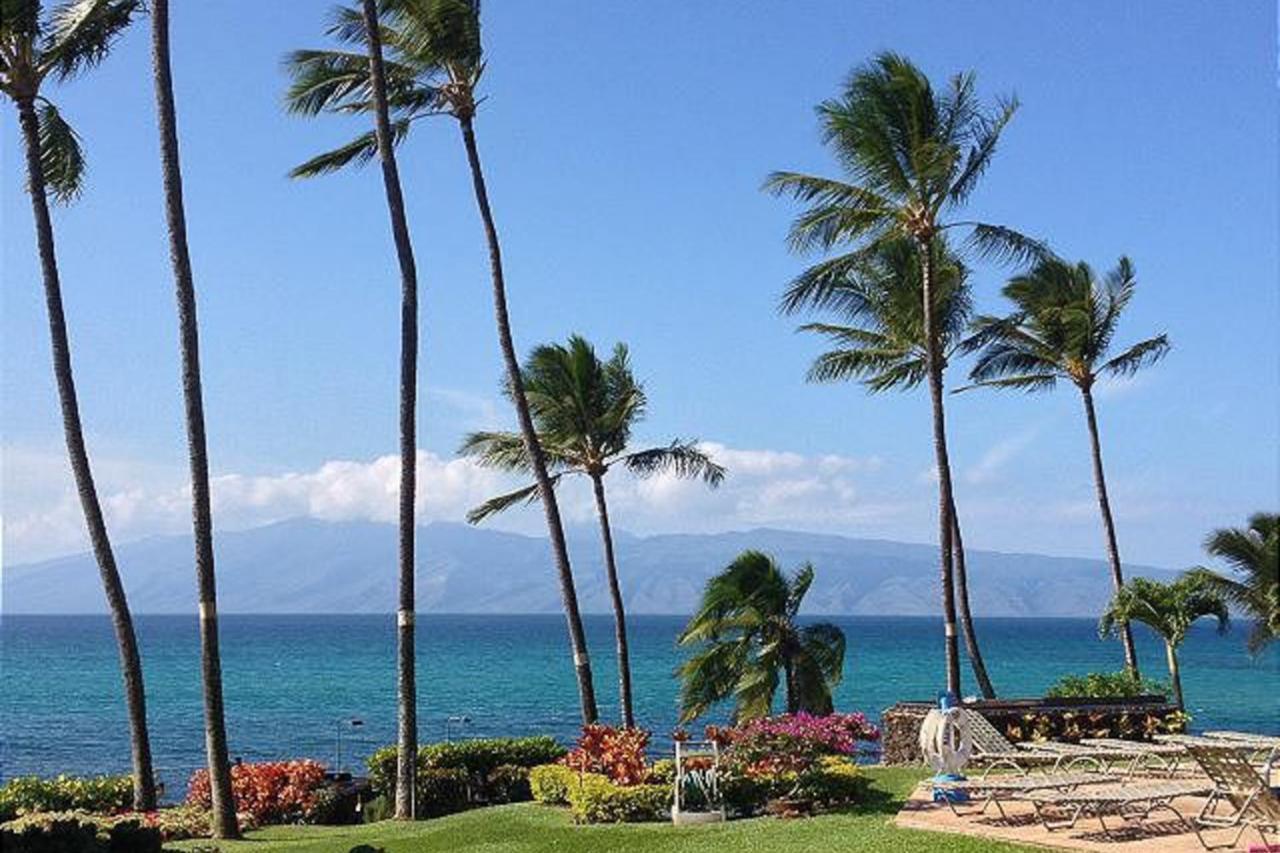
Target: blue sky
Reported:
[(625, 144)]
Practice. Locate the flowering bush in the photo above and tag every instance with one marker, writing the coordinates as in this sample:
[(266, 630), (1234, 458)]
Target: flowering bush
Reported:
[(270, 791), (792, 742), (615, 753), (186, 821)]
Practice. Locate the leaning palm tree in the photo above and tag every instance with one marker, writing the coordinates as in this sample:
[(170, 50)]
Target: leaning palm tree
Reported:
[(585, 410), (1062, 328), (35, 48), (1169, 609), (1253, 553), (436, 65), (913, 156), (371, 87), (746, 638), (215, 727), (880, 342)]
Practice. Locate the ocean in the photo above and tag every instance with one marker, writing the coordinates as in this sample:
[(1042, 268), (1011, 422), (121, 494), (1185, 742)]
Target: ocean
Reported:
[(294, 684)]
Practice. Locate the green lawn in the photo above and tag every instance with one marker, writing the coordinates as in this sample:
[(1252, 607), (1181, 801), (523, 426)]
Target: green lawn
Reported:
[(528, 827)]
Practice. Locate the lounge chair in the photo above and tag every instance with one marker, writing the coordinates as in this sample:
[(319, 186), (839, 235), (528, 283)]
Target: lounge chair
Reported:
[(992, 750), (1160, 759), (1262, 751), (990, 790), (1130, 801), (1241, 798)]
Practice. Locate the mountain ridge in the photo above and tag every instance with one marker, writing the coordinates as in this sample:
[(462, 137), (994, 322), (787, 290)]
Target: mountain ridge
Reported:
[(327, 567)]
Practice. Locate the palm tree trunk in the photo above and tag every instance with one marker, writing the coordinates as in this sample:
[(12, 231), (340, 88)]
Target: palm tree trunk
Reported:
[(943, 463), (619, 613), (407, 717), (793, 693), (144, 789), (215, 732), (1175, 676), (1108, 525), (568, 593), (978, 665)]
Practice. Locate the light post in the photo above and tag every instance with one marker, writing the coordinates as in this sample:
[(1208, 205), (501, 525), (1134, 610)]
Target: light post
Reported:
[(340, 724)]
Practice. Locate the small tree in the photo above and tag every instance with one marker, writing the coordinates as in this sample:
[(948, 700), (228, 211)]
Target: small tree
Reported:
[(1169, 609), (747, 640)]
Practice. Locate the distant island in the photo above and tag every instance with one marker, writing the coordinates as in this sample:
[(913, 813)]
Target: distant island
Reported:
[(311, 566)]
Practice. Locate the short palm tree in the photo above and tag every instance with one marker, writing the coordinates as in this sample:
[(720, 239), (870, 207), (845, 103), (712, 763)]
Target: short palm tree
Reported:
[(1253, 553), (913, 156), (35, 48), (435, 65), (585, 410), (1169, 609), (746, 638), (366, 82), (880, 342), (1062, 327), (215, 726)]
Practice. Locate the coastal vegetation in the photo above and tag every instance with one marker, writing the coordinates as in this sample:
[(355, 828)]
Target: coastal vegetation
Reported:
[(747, 640), (585, 410), (913, 157), (894, 301), (1062, 328)]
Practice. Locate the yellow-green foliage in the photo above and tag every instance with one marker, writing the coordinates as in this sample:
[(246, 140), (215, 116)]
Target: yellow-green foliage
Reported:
[(101, 794), (551, 783), (597, 800), (41, 832)]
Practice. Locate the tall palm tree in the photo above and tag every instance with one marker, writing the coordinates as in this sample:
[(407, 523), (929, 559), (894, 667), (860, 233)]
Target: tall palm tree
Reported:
[(912, 156), (371, 87), (1169, 609), (215, 727), (585, 410), (880, 342), (1253, 553), (746, 638), (34, 48), (1062, 328), (436, 65)]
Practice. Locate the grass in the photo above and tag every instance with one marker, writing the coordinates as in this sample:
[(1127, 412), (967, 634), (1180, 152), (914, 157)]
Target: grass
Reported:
[(529, 827)]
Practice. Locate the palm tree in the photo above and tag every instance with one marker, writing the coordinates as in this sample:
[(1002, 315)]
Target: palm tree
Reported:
[(35, 47), (1062, 328), (1253, 553), (585, 410), (437, 65), (913, 157), (370, 86), (215, 727), (880, 342), (1169, 609), (746, 638)]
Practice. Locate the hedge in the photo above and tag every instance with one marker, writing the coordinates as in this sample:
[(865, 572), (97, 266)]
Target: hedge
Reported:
[(491, 767), (597, 800), (77, 832), (100, 794)]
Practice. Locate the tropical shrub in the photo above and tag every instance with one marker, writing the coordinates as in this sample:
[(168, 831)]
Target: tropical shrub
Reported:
[(1105, 685), (269, 791), (662, 772), (615, 753), (442, 791), (181, 822), (550, 784), (833, 781), (508, 783), (77, 832), (97, 794), (595, 799), (478, 758)]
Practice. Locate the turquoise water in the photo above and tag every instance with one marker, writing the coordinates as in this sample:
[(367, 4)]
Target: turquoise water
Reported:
[(294, 682)]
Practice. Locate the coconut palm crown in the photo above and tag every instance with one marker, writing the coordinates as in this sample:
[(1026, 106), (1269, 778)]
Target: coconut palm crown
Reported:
[(585, 409), (747, 640), (1169, 609), (1253, 553)]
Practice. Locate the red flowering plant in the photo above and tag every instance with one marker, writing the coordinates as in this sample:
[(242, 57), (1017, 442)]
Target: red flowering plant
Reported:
[(791, 745), (615, 753), (269, 791)]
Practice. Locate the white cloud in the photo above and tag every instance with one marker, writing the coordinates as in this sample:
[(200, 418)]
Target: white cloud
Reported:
[(993, 462), (763, 487)]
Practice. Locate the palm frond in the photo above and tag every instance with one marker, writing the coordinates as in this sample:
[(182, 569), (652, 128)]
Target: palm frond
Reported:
[(81, 32), (359, 152), (502, 450), (1136, 357), (502, 503), (684, 459), (61, 158), (1001, 244)]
